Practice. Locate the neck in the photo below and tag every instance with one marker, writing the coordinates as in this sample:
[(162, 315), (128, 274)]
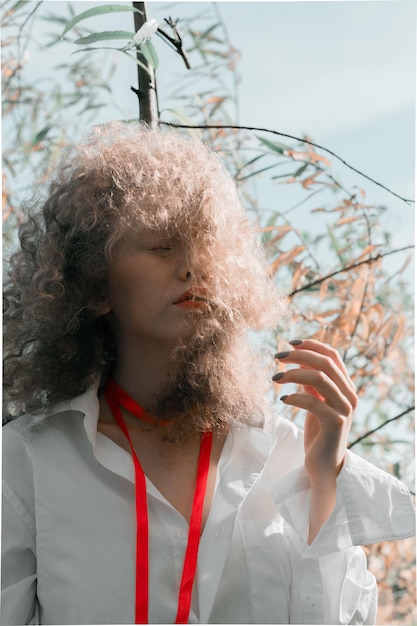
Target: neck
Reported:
[(142, 371)]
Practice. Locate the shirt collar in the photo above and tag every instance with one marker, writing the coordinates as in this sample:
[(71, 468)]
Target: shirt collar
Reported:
[(109, 454), (87, 404)]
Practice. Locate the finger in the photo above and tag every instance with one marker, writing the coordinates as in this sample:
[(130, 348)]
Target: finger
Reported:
[(325, 349), (309, 389), (330, 419), (323, 387), (309, 360)]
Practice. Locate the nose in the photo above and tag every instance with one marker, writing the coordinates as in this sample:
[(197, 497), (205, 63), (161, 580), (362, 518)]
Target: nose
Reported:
[(183, 270)]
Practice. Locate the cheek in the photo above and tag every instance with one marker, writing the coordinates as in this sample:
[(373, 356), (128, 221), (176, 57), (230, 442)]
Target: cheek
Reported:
[(139, 282), (125, 279), (132, 297)]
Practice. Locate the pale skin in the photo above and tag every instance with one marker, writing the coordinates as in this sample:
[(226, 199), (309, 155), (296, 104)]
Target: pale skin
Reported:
[(329, 400), (146, 278)]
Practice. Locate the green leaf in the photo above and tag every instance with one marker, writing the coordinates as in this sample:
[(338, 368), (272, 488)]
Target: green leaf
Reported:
[(252, 161), (101, 10), (301, 170), (40, 135), (150, 54), (288, 175), (264, 169), (208, 31), (17, 6), (51, 17), (104, 36), (274, 146), (97, 48)]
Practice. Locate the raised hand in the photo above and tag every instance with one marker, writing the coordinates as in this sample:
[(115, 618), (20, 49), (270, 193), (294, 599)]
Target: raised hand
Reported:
[(330, 400)]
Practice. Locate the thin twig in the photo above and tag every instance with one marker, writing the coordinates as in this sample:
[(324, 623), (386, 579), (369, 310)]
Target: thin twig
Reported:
[(307, 141), (235, 77), (176, 41), (19, 52), (301, 202), (347, 269), (374, 430)]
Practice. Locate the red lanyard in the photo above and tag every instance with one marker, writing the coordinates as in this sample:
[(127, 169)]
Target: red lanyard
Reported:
[(115, 396)]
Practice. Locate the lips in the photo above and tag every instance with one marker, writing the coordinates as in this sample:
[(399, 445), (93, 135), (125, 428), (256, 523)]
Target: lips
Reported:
[(192, 296)]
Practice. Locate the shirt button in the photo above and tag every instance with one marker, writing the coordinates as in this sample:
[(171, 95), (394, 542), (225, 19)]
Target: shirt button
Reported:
[(181, 534)]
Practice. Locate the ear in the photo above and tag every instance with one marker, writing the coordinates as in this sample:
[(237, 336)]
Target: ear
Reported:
[(103, 306)]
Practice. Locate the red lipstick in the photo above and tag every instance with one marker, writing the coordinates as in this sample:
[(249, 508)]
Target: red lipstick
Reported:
[(192, 299)]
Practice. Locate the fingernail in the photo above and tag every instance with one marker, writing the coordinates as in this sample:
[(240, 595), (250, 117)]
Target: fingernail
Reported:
[(283, 398), (281, 355), (278, 376), (295, 342)]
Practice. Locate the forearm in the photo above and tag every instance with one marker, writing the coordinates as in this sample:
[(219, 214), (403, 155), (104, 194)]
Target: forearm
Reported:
[(323, 500)]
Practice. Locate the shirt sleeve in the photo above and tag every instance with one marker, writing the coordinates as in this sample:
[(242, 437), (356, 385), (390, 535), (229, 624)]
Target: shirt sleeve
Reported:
[(331, 584), (18, 563)]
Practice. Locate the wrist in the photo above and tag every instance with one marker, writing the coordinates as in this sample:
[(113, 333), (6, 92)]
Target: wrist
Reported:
[(323, 501), (325, 479), (323, 486)]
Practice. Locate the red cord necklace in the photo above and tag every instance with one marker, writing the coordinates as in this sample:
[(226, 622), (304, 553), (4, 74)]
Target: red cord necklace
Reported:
[(116, 397)]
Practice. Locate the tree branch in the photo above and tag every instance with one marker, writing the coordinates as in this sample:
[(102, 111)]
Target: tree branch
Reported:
[(176, 41), (146, 93), (347, 269), (374, 430), (307, 141)]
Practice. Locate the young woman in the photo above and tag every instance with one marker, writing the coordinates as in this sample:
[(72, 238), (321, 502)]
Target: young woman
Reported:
[(145, 478)]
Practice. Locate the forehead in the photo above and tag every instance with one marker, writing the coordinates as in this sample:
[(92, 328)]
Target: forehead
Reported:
[(140, 236), (175, 217)]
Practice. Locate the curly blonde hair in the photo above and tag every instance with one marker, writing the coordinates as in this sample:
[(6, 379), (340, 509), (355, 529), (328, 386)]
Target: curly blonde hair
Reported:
[(124, 178)]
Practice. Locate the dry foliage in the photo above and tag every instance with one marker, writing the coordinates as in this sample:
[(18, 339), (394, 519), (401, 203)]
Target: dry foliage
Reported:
[(394, 566)]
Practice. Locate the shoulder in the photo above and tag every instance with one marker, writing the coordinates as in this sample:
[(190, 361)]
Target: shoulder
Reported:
[(25, 440), (31, 439), (27, 430), (30, 428), (17, 435), (34, 447)]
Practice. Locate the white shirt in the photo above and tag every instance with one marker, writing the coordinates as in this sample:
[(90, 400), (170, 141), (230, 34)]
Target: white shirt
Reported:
[(69, 530)]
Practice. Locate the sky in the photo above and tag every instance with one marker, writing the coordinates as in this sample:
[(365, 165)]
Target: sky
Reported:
[(344, 72)]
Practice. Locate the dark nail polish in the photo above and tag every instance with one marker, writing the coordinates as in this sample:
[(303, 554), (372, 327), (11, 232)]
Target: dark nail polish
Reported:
[(295, 342), (283, 398), (281, 355), (278, 376)]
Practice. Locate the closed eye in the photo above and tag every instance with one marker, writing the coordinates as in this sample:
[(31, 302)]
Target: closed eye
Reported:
[(162, 250), (163, 246)]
